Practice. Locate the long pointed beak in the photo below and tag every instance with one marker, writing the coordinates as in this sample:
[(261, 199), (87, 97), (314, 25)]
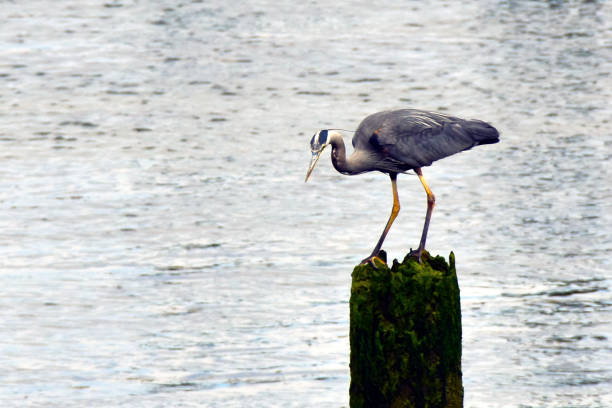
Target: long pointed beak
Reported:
[(313, 162)]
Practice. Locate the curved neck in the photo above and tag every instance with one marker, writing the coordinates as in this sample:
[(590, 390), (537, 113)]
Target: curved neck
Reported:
[(338, 156)]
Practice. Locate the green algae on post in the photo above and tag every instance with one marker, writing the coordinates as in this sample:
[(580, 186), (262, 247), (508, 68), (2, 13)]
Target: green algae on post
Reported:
[(405, 335)]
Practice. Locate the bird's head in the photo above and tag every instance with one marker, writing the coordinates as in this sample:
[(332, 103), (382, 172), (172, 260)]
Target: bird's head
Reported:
[(318, 143)]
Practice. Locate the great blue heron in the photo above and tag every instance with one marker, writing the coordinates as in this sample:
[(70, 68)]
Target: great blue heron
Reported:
[(398, 141)]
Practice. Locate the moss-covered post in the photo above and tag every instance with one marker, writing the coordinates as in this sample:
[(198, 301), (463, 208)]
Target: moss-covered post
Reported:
[(405, 335)]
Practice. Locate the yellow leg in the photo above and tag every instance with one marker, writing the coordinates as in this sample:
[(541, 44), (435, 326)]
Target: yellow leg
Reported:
[(431, 202), (394, 212)]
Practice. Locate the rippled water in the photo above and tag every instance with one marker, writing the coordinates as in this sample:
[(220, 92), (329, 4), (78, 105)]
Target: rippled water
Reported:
[(159, 245)]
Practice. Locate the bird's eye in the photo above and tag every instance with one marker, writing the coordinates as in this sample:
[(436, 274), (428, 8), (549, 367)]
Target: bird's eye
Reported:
[(323, 137)]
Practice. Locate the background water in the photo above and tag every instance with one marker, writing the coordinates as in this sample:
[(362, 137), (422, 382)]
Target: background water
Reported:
[(160, 248)]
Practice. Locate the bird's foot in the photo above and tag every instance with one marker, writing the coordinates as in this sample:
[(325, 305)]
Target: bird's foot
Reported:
[(380, 258), (416, 253), (372, 260)]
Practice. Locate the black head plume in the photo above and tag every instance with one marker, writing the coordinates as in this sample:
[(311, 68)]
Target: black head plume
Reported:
[(319, 140)]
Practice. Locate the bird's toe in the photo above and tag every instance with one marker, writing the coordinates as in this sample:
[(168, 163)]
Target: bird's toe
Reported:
[(373, 260), (415, 254)]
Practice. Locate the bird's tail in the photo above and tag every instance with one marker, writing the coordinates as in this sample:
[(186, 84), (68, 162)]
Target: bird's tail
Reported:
[(481, 132)]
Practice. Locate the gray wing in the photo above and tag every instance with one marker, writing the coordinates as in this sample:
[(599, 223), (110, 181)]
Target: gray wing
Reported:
[(410, 138)]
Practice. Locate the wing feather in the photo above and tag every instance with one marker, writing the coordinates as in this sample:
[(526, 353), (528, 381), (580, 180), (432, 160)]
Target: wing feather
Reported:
[(411, 138)]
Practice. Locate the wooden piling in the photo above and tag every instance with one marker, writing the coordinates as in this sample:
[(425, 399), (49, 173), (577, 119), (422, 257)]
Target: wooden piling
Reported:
[(405, 335)]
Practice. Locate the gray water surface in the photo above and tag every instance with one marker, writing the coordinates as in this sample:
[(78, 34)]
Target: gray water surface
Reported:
[(159, 247)]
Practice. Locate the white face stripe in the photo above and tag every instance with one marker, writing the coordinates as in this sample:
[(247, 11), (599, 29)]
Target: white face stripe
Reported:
[(319, 140)]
